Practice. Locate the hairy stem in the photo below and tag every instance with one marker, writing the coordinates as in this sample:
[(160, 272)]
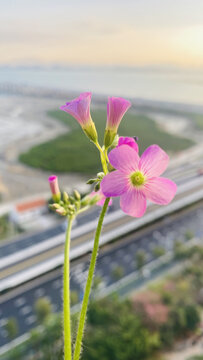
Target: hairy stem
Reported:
[(83, 312), (66, 294)]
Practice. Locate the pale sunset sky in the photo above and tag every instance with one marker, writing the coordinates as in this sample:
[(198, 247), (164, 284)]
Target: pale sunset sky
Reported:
[(107, 32)]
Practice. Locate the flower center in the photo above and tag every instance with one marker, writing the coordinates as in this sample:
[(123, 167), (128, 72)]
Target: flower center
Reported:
[(137, 178)]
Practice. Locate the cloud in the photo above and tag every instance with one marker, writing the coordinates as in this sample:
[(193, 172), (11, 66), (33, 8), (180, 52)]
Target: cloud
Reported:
[(131, 32)]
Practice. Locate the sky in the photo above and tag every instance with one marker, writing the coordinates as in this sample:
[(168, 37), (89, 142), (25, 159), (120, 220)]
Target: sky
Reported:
[(107, 32)]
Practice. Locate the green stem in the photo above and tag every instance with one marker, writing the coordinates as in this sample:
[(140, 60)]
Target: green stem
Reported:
[(83, 312), (103, 158), (66, 294), (83, 209), (106, 155)]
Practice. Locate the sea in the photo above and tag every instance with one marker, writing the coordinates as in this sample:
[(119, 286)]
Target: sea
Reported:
[(170, 85)]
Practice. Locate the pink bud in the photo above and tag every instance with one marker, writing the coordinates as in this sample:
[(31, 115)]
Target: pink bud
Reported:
[(53, 182)]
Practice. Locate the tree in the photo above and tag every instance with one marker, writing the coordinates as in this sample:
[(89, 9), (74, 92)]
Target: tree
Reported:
[(43, 309), (189, 235), (158, 251), (140, 258), (118, 272), (106, 327), (180, 251), (192, 316), (12, 327)]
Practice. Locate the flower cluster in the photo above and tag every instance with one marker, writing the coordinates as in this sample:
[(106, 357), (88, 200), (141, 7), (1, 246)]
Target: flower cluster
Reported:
[(135, 179), (70, 205)]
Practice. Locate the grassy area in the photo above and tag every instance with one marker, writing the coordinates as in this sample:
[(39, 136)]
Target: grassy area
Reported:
[(198, 120), (150, 322), (7, 229), (73, 152)]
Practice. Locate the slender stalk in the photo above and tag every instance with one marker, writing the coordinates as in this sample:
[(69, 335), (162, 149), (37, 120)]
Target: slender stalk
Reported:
[(66, 294), (106, 155), (83, 312), (83, 209), (103, 158)]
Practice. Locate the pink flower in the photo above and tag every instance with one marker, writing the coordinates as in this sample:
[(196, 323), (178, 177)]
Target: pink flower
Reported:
[(128, 141), (53, 182), (116, 108), (101, 197), (79, 108), (137, 179)]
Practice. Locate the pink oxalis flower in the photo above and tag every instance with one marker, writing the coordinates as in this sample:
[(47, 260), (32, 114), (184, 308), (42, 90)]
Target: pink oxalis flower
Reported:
[(136, 179), (128, 141), (116, 108), (79, 108)]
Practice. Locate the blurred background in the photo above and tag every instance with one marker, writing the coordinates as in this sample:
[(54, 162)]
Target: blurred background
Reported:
[(149, 270)]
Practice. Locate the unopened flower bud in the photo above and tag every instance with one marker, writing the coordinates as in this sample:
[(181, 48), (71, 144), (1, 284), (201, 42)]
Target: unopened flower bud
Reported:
[(61, 211), (72, 200), (56, 206), (76, 195), (77, 205), (100, 175), (65, 197), (85, 201), (91, 181), (97, 187), (53, 182), (71, 207)]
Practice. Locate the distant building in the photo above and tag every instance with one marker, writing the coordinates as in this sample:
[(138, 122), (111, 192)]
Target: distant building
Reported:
[(26, 213)]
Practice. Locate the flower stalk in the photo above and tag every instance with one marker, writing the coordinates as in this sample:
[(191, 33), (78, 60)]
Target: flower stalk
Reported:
[(83, 312), (66, 294), (135, 179), (103, 158)]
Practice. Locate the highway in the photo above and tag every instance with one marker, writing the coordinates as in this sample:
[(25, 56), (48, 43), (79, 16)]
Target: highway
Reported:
[(180, 173), (20, 302), (34, 260)]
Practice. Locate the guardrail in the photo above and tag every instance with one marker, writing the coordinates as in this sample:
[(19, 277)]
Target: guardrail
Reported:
[(90, 226), (48, 265)]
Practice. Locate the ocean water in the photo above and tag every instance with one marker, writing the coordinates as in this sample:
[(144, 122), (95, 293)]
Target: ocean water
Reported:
[(151, 84)]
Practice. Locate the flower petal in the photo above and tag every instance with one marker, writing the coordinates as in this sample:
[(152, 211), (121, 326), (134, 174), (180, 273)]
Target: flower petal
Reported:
[(124, 158), (114, 184), (160, 190), (153, 161), (128, 141), (116, 108), (79, 108), (133, 203)]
